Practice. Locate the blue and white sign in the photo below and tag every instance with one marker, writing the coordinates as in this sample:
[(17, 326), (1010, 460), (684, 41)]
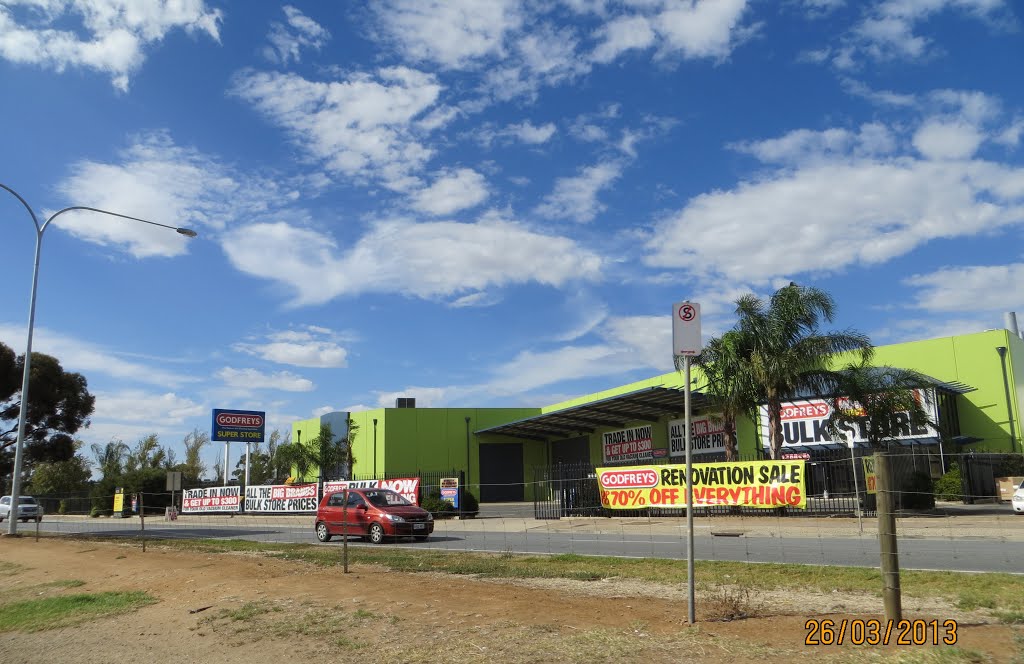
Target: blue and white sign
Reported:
[(239, 426), (450, 490)]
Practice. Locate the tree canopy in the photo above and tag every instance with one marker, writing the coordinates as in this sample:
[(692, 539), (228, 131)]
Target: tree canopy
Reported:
[(59, 406)]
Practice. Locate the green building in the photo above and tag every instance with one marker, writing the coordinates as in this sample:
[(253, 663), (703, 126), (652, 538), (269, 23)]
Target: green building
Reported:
[(976, 393)]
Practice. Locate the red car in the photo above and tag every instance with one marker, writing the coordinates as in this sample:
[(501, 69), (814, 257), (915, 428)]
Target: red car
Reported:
[(373, 514)]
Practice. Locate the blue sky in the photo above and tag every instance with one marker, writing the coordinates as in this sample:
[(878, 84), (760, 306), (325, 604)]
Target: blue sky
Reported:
[(489, 203)]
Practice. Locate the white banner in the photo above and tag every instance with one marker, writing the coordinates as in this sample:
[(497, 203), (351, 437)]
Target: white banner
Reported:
[(211, 499), (632, 444), (409, 487), (803, 423), (707, 433), (281, 498)]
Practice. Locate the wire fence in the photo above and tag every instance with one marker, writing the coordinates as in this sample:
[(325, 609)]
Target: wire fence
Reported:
[(939, 526)]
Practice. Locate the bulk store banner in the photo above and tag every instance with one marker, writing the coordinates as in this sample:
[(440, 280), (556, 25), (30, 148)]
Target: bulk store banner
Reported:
[(211, 499), (632, 444), (803, 422), (408, 487), (281, 498), (746, 483)]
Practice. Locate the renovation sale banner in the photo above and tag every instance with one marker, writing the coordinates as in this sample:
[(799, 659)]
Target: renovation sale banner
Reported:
[(747, 483), (632, 444), (211, 499)]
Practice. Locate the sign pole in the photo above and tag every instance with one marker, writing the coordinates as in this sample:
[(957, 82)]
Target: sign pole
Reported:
[(686, 341), (247, 449), (691, 614), (226, 443)]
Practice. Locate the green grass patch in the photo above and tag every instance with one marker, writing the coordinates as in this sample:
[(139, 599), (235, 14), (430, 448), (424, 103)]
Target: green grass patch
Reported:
[(247, 611), (53, 612)]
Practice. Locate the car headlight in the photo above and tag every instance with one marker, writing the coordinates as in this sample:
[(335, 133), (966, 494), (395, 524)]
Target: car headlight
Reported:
[(394, 518), (1018, 498)]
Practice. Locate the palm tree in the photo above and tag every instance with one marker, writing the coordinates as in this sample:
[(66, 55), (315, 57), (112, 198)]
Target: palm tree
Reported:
[(868, 397), (723, 362), (323, 452), (786, 353), (110, 458)]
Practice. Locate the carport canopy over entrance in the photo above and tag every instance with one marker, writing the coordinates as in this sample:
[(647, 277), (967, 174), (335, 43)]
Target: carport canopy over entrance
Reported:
[(645, 405)]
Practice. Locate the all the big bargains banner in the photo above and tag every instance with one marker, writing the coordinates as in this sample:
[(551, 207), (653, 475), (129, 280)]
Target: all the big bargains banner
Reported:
[(281, 498), (632, 444), (707, 433), (409, 487), (211, 499), (747, 483)]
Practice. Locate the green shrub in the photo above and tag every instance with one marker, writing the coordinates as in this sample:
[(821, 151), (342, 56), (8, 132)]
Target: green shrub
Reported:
[(441, 509), (950, 485), (62, 508), (470, 505), (94, 512)]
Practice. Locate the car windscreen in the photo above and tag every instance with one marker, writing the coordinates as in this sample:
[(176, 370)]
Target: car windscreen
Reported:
[(26, 500), (385, 499)]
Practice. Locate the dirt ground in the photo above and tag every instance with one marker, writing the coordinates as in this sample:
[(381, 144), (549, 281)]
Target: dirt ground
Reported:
[(243, 608)]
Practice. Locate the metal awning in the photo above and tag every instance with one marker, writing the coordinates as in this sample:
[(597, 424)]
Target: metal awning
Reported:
[(647, 405)]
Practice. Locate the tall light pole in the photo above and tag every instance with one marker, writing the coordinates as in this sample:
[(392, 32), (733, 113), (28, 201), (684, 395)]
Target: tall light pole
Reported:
[(12, 528)]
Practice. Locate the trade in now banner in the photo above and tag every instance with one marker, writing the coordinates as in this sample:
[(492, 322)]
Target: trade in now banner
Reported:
[(746, 483)]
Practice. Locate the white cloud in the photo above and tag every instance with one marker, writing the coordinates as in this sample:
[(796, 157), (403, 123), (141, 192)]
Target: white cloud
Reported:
[(288, 40), (88, 358), (309, 347), (427, 260), (826, 214), (138, 406), (252, 379), (544, 56), (889, 32), (529, 133), (161, 182), (426, 397), (116, 32), (1010, 136), (452, 191), (804, 145), (971, 288), (947, 140), (576, 197), (363, 126), (480, 299), (621, 34), (451, 33)]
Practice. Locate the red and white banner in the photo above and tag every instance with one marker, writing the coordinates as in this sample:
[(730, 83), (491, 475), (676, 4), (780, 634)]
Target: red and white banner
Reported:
[(281, 498), (408, 487), (211, 499)]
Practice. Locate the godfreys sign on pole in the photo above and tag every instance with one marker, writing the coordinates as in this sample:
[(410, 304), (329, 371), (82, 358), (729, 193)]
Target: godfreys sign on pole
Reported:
[(238, 426)]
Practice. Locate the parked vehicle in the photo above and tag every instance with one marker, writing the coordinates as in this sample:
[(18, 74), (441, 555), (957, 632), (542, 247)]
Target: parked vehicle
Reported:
[(28, 509), (371, 513), (1018, 499)]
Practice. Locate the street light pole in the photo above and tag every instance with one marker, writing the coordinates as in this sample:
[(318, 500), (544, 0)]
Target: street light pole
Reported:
[(12, 528)]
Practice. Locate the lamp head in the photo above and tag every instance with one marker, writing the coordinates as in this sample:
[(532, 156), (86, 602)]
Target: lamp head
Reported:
[(187, 232)]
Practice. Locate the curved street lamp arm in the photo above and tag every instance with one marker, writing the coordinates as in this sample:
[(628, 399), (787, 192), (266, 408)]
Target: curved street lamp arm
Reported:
[(35, 220), (112, 214)]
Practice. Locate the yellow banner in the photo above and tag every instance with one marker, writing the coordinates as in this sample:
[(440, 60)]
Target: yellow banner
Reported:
[(748, 483), (870, 479), (118, 502)]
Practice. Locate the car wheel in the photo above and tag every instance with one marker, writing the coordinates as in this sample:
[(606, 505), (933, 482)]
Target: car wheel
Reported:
[(322, 533), (376, 535), (23, 520), (421, 538)]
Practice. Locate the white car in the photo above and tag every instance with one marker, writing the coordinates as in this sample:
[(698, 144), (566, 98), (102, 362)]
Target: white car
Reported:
[(1018, 499), (28, 508)]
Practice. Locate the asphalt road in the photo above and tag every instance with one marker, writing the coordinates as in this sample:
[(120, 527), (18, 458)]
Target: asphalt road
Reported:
[(965, 553)]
